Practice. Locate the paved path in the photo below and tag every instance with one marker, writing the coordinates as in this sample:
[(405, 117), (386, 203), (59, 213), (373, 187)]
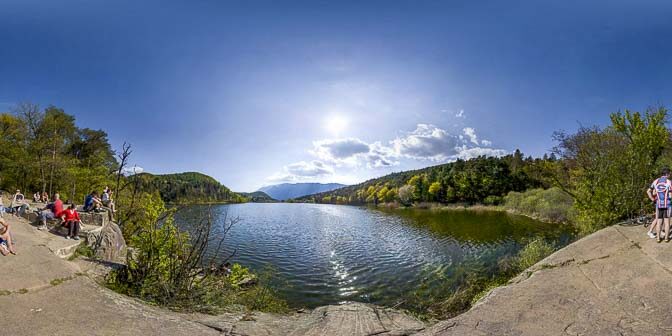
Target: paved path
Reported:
[(42, 294)]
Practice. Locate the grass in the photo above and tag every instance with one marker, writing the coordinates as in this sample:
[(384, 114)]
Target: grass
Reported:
[(82, 250), (533, 252), (58, 281), (552, 205)]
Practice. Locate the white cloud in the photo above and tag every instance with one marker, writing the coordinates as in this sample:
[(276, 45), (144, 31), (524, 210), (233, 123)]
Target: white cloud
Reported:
[(426, 142), (460, 114), (128, 171), (353, 152), (465, 153), (471, 134), (339, 150), (301, 171)]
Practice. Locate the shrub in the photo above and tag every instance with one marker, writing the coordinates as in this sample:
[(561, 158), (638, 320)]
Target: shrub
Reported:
[(532, 253), (167, 266), (493, 200), (552, 204)]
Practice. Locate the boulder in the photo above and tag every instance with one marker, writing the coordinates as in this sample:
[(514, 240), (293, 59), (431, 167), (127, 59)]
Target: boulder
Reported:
[(248, 281), (95, 218), (109, 243)]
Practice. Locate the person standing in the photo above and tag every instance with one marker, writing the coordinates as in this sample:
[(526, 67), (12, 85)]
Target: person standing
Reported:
[(662, 187)]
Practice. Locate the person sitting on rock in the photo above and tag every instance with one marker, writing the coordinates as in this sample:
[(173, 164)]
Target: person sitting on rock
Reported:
[(71, 220), (45, 197), (6, 244), (106, 199), (92, 202), (51, 211), (36, 197), (17, 205)]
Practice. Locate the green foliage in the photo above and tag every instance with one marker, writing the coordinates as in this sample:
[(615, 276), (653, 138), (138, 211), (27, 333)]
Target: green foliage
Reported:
[(532, 253), (166, 266), (44, 150), (493, 200), (553, 204), (607, 170), (238, 273), (471, 181), (187, 188), (83, 250)]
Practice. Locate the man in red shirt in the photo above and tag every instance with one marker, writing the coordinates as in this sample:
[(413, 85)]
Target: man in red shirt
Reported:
[(51, 211)]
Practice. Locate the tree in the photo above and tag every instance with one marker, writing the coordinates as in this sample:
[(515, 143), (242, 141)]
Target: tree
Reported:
[(606, 170), (406, 194), (435, 191)]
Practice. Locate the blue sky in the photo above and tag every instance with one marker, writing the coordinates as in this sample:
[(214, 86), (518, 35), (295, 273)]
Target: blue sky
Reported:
[(260, 92)]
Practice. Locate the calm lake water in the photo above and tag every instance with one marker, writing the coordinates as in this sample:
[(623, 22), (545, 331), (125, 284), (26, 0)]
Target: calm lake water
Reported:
[(327, 254)]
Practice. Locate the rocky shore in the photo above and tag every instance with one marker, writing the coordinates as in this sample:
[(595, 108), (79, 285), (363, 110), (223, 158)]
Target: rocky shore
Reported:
[(614, 282)]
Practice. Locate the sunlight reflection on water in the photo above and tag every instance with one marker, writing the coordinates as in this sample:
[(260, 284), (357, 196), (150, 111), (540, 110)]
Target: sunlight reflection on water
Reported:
[(326, 254)]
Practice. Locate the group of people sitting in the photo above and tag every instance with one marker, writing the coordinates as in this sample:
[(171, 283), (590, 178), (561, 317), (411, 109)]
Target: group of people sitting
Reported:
[(41, 198), (96, 202), (68, 216), (54, 209)]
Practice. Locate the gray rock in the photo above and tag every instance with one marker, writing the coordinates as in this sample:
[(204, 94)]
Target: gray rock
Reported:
[(109, 243)]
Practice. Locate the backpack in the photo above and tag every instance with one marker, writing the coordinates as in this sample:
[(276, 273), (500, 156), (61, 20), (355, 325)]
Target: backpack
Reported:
[(662, 186)]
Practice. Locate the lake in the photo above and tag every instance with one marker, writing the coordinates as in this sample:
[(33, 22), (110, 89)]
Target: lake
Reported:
[(328, 254)]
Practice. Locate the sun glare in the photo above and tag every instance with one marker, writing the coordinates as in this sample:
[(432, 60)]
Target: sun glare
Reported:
[(335, 124)]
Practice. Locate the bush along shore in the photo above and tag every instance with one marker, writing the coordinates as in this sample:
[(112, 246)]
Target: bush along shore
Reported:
[(169, 267)]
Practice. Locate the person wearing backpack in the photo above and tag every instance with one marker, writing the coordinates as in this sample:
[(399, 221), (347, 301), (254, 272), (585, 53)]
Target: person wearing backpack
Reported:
[(659, 192)]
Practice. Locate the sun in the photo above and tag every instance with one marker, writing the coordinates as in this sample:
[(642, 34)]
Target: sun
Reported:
[(335, 124)]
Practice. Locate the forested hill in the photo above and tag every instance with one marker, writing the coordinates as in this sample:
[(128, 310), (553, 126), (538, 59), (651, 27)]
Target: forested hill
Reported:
[(478, 180), (190, 187), (257, 197)]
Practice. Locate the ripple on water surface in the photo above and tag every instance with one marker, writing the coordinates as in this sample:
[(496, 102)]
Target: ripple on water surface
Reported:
[(326, 254)]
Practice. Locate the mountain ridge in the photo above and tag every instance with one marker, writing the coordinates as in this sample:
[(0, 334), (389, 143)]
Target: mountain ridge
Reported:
[(285, 191)]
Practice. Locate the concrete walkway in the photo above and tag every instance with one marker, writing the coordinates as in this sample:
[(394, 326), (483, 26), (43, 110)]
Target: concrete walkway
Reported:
[(42, 294)]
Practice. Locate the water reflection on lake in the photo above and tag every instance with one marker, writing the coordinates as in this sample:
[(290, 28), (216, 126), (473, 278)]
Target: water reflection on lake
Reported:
[(326, 254)]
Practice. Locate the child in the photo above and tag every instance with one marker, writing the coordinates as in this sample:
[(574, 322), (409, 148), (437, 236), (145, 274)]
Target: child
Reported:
[(71, 220)]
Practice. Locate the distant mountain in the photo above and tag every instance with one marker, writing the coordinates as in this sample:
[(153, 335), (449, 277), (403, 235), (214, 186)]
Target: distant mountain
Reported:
[(257, 197), (286, 191), (188, 187)]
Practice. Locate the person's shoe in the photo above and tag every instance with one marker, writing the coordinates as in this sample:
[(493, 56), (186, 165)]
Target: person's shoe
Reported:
[(659, 241), (42, 228), (651, 235), (76, 238), (68, 237)]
